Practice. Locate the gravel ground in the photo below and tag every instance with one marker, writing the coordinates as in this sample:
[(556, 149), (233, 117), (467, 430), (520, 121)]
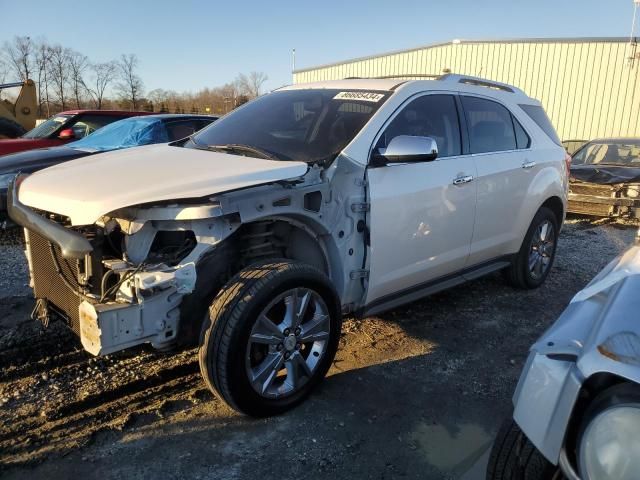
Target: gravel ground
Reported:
[(418, 392), (14, 279)]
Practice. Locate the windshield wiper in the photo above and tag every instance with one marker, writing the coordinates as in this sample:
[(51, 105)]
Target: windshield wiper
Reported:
[(239, 148)]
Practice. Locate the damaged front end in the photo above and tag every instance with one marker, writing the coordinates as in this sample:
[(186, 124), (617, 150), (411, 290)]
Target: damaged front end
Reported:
[(604, 200), (605, 191), (117, 283)]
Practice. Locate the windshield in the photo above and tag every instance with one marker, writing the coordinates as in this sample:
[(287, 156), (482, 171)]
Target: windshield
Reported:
[(623, 153), (47, 127), (303, 125), (130, 132)]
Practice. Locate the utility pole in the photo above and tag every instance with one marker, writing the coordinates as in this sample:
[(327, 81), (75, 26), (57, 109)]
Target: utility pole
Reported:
[(632, 43), (293, 63)]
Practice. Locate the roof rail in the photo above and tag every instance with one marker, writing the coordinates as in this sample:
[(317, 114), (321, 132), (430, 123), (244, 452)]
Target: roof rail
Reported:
[(479, 82), (433, 76)]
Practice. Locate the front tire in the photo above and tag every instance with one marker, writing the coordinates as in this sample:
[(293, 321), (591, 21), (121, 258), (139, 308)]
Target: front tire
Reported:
[(533, 262), (514, 457), (273, 333)]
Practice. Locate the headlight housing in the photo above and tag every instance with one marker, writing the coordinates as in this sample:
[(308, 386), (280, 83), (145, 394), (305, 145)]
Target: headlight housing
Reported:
[(610, 445), (633, 191), (5, 179)]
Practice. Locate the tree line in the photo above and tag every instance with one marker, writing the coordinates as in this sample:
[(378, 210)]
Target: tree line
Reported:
[(68, 79)]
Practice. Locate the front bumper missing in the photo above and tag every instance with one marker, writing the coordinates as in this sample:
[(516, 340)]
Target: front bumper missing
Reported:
[(146, 307), (107, 328)]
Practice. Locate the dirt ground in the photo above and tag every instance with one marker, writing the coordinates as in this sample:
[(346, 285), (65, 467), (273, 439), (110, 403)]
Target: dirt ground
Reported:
[(418, 392)]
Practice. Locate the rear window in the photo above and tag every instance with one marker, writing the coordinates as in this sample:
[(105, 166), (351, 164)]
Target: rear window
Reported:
[(539, 116), (490, 126)]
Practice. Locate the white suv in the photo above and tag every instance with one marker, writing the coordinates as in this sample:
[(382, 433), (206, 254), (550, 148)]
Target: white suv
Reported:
[(254, 236)]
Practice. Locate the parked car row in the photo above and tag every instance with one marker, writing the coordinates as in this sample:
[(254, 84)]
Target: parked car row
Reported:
[(63, 128), (130, 132)]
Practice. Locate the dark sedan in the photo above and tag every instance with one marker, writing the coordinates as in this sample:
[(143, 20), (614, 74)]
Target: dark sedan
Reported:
[(131, 132), (605, 178)]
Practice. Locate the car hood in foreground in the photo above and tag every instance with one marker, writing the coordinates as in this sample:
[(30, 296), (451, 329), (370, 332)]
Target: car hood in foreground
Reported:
[(605, 174), (33, 160), (88, 188), (599, 328)]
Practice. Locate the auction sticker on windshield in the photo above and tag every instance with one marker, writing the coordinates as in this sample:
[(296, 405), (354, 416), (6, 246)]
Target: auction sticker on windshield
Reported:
[(362, 96)]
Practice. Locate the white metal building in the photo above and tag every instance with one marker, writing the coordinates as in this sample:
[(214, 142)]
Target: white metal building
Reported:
[(588, 86)]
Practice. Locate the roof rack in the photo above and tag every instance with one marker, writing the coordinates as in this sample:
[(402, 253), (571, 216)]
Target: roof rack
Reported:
[(433, 76), (479, 82), (451, 78)]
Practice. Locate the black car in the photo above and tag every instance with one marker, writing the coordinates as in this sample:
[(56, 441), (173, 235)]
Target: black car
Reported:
[(130, 132), (605, 178)]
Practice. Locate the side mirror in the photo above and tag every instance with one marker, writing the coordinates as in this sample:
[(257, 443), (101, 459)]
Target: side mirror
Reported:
[(67, 134), (407, 148)]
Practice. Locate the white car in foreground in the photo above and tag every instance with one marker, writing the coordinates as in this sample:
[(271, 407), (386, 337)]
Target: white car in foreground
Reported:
[(254, 236), (577, 404)]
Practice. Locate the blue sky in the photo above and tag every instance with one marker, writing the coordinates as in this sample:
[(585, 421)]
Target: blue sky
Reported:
[(188, 44)]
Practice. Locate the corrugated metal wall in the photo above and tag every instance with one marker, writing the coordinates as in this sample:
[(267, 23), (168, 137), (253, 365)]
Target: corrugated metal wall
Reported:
[(589, 87)]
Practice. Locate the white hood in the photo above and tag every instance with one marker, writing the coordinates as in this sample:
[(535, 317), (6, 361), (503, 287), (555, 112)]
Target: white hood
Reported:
[(87, 188)]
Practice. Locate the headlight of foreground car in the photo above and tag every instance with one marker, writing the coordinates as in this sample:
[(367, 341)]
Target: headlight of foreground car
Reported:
[(610, 446), (5, 179), (633, 192)]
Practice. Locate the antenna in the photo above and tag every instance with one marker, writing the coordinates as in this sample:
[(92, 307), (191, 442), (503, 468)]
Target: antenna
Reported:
[(293, 63)]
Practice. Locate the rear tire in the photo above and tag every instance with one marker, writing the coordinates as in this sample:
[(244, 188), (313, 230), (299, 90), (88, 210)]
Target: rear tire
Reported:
[(273, 317), (514, 457), (10, 129), (533, 262)]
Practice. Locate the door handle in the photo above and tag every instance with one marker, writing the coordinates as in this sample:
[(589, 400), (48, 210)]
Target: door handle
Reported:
[(463, 179), (527, 165)]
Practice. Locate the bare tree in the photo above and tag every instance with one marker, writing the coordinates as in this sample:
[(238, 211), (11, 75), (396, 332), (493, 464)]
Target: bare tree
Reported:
[(130, 86), (42, 60), (103, 75), (78, 64), (19, 56), (3, 74), (251, 84), (59, 71)]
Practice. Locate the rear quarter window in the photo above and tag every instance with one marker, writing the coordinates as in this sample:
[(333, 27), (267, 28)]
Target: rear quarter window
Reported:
[(539, 116)]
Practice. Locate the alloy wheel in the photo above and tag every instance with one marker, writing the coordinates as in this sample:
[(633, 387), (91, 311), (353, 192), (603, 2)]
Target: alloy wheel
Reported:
[(541, 249), (287, 342)]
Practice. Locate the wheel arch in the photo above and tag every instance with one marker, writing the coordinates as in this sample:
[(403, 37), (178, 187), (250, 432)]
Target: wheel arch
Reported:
[(289, 236), (554, 203)]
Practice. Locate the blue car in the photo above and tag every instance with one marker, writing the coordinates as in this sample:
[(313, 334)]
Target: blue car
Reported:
[(130, 132)]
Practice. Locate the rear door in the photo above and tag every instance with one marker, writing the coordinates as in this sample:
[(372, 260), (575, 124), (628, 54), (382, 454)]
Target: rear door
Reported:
[(505, 167), (420, 223)]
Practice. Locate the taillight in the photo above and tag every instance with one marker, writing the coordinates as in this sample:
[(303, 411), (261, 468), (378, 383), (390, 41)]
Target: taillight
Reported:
[(567, 161)]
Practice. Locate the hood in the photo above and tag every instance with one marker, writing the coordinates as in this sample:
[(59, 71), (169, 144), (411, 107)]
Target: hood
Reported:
[(87, 188), (13, 145), (605, 174), (599, 327), (33, 160)]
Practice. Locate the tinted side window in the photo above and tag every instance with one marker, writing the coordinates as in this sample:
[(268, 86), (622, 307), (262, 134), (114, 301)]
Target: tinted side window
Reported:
[(181, 129), (490, 126), (522, 138), (87, 124), (539, 116), (434, 116)]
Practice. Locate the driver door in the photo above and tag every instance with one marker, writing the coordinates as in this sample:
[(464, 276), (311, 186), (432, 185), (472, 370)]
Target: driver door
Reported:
[(421, 223)]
